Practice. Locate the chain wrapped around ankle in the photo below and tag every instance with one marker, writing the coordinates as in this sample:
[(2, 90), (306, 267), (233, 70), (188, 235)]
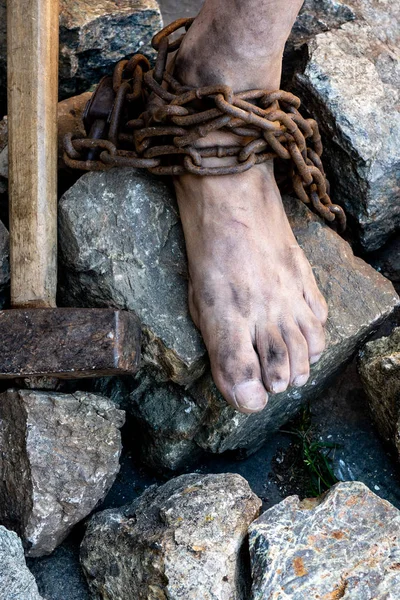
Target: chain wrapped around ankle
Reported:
[(145, 118)]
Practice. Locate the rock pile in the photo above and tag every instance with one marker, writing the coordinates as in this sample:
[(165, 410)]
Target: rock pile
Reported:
[(121, 244), (187, 539)]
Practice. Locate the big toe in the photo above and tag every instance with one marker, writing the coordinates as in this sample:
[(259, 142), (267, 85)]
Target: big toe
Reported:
[(249, 395), (236, 371)]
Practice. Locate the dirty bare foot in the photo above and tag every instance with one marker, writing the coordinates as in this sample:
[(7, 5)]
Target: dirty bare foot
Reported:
[(252, 292)]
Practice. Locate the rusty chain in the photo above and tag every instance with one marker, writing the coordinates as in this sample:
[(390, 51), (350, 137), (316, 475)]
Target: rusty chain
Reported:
[(144, 118)]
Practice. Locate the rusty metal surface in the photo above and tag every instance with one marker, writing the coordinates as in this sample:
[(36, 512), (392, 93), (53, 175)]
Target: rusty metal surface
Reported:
[(145, 118), (79, 342)]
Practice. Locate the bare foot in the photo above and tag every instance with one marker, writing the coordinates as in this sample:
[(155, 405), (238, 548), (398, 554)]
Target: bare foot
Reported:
[(252, 292)]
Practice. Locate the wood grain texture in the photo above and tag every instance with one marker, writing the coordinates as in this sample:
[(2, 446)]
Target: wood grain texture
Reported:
[(32, 55), (68, 343)]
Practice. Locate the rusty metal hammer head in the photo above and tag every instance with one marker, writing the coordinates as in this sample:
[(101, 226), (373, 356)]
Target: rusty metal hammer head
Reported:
[(68, 342)]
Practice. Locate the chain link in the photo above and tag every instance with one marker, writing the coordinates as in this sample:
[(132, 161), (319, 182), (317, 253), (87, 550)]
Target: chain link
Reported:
[(145, 118)]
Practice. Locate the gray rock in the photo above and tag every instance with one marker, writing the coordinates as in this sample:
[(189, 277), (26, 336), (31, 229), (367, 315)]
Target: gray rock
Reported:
[(345, 544), (60, 455), (316, 16), (121, 244), (351, 84), (387, 261), (167, 419), (16, 581), (382, 15), (177, 541), (379, 368), (93, 37)]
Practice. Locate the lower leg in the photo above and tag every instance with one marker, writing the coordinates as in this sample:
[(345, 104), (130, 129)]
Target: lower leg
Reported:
[(251, 290), (238, 42)]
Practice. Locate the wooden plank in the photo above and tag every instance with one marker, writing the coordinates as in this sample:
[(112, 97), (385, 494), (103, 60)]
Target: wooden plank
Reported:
[(32, 55), (68, 343)]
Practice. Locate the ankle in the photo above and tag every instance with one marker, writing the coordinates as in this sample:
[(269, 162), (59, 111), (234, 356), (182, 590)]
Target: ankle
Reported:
[(240, 69)]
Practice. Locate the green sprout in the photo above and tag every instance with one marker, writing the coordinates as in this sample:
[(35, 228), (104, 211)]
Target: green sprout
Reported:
[(317, 456)]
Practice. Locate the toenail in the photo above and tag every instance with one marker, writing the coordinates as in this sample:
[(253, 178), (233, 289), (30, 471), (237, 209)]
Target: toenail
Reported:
[(278, 386), (250, 395), (300, 380), (314, 359)]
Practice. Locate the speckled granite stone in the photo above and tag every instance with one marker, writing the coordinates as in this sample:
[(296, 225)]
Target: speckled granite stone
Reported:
[(181, 541), (343, 545)]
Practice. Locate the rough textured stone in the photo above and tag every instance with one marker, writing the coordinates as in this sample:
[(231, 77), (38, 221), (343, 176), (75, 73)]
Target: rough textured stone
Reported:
[(351, 84), (382, 15), (343, 545), (316, 16), (167, 420), (174, 542), (93, 37), (60, 455), (122, 244), (16, 581), (387, 261), (379, 368)]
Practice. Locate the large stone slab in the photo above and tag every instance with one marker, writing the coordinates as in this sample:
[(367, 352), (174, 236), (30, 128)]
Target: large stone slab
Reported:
[(16, 581), (121, 243), (351, 84), (93, 37), (183, 540), (379, 368), (345, 544), (59, 457)]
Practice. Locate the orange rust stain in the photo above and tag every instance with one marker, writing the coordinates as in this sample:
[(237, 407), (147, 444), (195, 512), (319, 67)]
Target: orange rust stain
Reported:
[(338, 535), (351, 501), (299, 568)]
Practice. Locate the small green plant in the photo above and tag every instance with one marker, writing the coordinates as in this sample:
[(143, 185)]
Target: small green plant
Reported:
[(317, 456)]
